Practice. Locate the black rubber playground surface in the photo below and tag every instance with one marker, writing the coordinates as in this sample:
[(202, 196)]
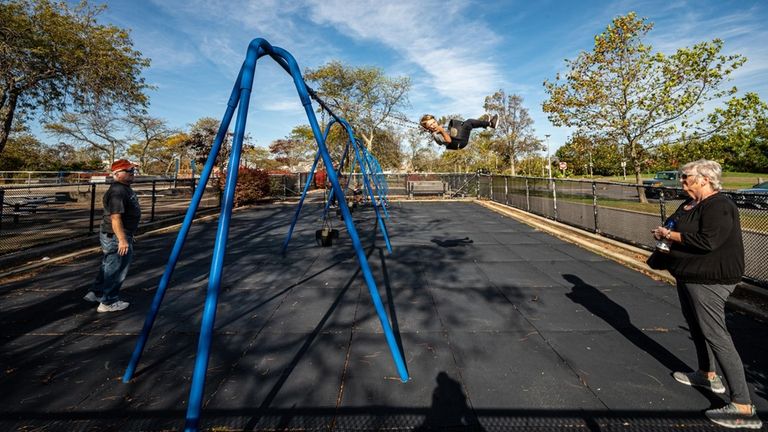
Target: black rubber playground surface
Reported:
[(502, 327)]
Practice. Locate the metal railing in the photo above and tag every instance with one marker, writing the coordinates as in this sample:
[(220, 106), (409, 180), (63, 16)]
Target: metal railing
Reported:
[(614, 210), (39, 214)]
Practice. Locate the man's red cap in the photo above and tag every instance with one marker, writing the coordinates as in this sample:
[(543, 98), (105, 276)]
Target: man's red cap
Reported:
[(122, 164)]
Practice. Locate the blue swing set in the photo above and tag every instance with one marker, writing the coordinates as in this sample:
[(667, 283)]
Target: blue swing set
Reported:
[(240, 98)]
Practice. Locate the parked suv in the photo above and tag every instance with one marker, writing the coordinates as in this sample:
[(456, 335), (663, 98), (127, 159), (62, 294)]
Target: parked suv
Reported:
[(664, 179), (754, 197)]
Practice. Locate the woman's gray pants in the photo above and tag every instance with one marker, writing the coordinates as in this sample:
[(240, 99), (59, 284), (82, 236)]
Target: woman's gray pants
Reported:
[(704, 310)]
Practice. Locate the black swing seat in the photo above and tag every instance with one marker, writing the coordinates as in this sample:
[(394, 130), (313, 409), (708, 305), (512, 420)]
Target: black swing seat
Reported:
[(324, 237)]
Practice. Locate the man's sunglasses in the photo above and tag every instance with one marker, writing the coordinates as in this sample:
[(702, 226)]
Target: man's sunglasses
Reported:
[(129, 171)]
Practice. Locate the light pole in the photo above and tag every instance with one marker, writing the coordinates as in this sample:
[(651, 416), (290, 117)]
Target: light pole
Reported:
[(549, 162)]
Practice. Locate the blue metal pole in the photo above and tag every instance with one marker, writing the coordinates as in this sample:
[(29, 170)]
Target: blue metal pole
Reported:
[(381, 181), (330, 195), (366, 270), (301, 203), (183, 231), (375, 171), (341, 167), (370, 190), (220, 247)]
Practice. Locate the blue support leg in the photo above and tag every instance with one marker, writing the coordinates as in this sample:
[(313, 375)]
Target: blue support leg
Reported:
[(214, 280), (366, 270), (183, 231)]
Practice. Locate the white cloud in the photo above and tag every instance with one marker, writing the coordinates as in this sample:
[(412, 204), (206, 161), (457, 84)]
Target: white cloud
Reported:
[(458, 69)]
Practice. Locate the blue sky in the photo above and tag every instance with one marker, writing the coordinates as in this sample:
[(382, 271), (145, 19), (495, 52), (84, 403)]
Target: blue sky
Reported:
[(456, 52)]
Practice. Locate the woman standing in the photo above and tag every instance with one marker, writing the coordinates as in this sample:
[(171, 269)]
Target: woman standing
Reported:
[(707, 261)]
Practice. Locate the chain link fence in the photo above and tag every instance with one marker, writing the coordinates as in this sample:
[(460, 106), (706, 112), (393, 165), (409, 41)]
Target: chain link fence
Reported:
[(40, 214), (48, 212), (615, 210)]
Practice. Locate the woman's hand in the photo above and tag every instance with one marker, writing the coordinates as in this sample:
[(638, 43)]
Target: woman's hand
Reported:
[(660, 232)]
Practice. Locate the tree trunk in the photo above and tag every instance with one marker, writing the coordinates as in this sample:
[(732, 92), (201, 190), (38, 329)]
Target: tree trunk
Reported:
[(6, 117), (640, 188)]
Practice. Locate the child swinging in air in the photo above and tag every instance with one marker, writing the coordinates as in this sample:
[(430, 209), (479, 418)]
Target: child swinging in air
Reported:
[(457, 134)]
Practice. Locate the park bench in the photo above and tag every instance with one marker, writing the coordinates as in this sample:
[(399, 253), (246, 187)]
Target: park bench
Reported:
[(21, 206), (426, 187)]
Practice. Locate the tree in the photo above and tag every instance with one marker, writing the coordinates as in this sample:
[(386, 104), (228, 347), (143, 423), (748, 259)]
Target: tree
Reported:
[(590, 155), (98, 129), (199, 140), (150, 135), (54, 56), (419, 157), (258, 157), (162, 156), (23, 152), (626, 93), (365, 97), (514, 129), (386, 148), (298, 147)]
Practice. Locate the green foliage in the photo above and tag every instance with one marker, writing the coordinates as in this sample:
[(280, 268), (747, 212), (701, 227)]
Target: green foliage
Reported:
[(54, 56), (22, 153), (514, 132), (252, 185), (386, 148), (623, 92), (364, 96), (587, 155), (298, 147)]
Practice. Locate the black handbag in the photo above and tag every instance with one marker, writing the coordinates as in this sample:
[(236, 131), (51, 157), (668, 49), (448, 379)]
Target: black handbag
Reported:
[(658, 261)]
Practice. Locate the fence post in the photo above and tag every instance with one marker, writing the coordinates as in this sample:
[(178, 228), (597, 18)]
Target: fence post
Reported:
[(594, 205), (554, 198), (527, 197), (477, 182), (491, 187), (506, 190), (2, 200), (93, 208), (154, 200)]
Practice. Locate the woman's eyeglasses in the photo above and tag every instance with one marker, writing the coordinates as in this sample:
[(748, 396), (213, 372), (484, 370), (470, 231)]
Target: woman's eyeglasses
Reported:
[(686, 176)]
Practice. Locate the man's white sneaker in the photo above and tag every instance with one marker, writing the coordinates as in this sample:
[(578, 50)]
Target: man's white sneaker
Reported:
[(91, 297), (114, 307)]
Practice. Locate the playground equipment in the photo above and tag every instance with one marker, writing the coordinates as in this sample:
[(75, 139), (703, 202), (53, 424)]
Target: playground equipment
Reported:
[(240, 98), (364, 166)]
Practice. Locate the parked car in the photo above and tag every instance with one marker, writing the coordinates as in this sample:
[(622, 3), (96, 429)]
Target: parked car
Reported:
[(662, 180), (754, 197)]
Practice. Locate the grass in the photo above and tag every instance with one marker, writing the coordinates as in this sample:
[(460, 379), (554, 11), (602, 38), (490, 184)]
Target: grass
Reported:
[(749, 220), (731, 180)]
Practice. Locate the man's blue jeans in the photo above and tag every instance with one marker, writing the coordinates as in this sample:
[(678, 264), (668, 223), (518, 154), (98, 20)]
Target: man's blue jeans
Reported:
[(113, 270)]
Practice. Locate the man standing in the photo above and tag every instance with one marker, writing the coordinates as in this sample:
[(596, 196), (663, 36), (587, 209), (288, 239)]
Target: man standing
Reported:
[(118, 226)]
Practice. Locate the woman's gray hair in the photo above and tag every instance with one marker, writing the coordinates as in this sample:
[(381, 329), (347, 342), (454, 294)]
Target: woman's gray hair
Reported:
[(706, 168)]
